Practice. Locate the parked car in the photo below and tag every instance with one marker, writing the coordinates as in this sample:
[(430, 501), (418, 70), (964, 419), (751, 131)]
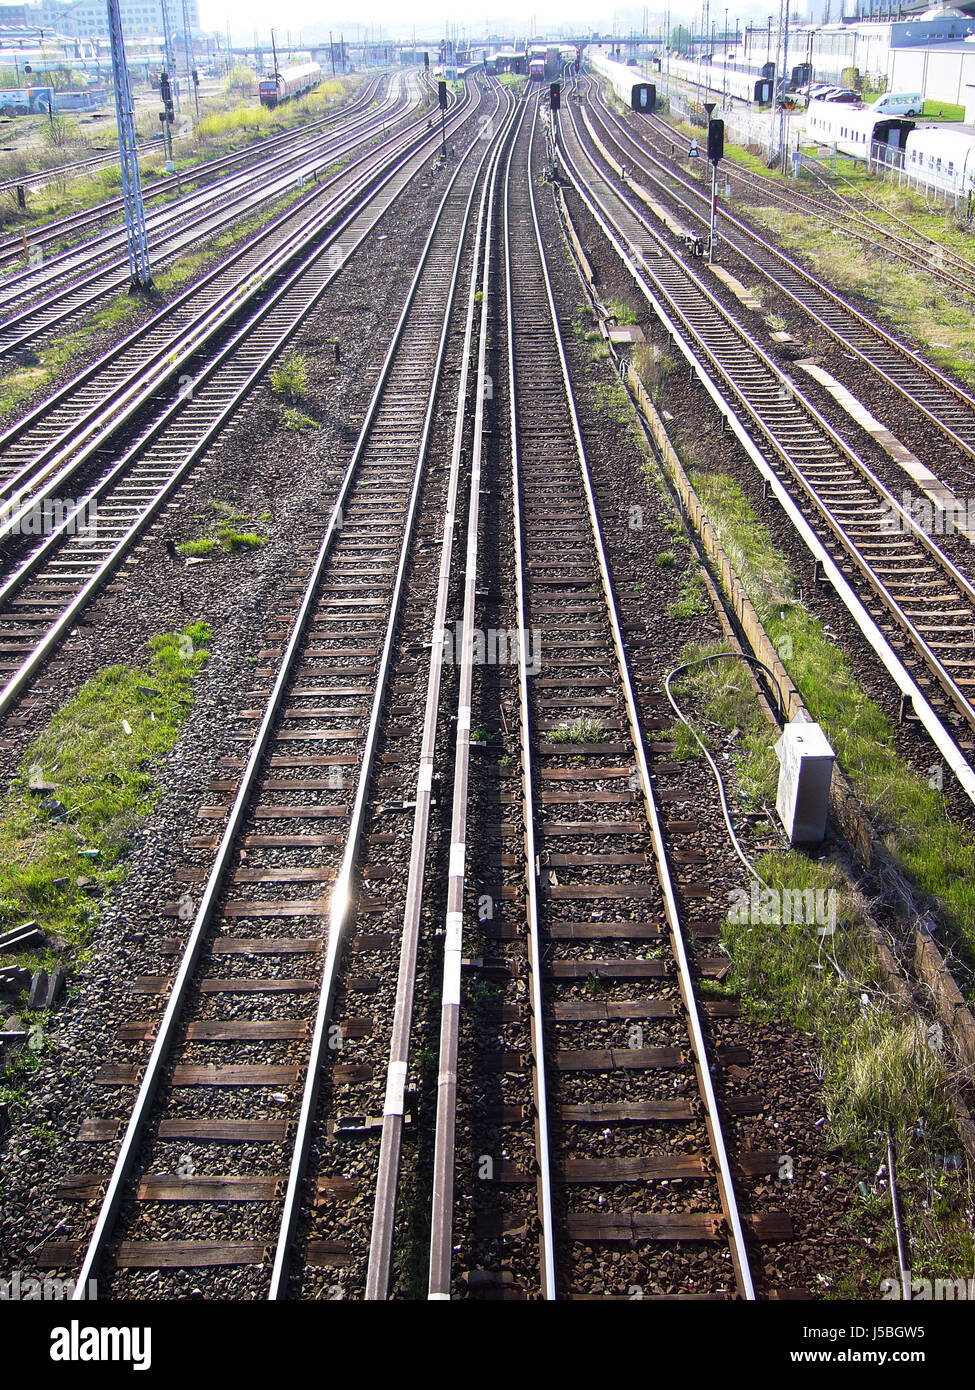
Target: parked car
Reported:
[(844, 94)]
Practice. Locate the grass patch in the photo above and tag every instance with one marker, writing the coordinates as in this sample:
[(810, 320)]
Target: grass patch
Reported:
[(935, 853), (17, 385), (224, 532), (943, 322), (621, 312), (585, 729), (653, 367), (290, 377), (943, 111), (97, 754), (296, 420), (691, 600)]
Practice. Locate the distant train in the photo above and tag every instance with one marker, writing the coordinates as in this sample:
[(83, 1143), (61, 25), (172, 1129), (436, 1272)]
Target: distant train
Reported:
[(536, 69), (625, 81), (291, 82), (856, 130), (942, 158), (720, 81)]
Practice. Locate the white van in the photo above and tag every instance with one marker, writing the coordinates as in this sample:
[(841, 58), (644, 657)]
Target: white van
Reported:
[(899, 104)]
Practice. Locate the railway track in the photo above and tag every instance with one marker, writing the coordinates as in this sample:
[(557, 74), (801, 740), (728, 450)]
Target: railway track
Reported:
[(589, 881), (153, 420), (78, 166), (53, 233), (939, 400), (288, 912), (911, 588), (103, 393), (922, 252), (39, 301)]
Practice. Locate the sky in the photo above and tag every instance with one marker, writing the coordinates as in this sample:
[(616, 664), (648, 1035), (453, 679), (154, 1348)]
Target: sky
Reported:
[(429, 15)]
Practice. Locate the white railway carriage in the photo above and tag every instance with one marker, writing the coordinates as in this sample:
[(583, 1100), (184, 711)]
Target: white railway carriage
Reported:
[(625, 81), (720, 81), (942, 158), (856, 130)]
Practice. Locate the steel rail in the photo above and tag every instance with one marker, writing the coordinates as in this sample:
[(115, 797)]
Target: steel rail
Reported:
[(384, 1213), (907, 523), (442, 1197), (172, 226), (641, 273), (165, 1036), (43, 649), (67, 300), (342, 893), (11, 247), (702, 1063), (547, 1262), (872, 329), (83, 438)]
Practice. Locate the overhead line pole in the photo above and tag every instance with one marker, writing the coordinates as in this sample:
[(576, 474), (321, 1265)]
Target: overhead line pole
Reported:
[(137, 242)]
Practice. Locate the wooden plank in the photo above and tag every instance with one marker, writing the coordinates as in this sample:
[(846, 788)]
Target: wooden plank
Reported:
[(574, 1010), (759, 1162), (608, 969), (234, 1076), (98, 1131), (584, 891), (629, 1112), (81, 1187), (265, 986), (189, 1254), (605, 1059), (595, 931), (226, 1131), (160, 1188), (648, 1168), (327, 1254), (629, 1227), (240, 1029)]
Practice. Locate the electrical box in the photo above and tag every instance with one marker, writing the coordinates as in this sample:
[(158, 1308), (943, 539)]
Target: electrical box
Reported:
[(805, 772)]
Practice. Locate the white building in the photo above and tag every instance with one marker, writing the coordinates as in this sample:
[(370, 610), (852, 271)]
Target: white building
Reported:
[(88, 19)]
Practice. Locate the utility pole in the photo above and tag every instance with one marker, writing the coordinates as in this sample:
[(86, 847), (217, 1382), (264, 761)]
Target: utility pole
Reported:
[(776, 80), (140, 272), (188, 47), (331, 49), (274, 50), (785, 68), (169, 57)]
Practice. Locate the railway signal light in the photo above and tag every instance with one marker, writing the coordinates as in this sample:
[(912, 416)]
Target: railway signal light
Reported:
[(166, 92), (196, 78), (715, 141), (442, 94), (555, 96)]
